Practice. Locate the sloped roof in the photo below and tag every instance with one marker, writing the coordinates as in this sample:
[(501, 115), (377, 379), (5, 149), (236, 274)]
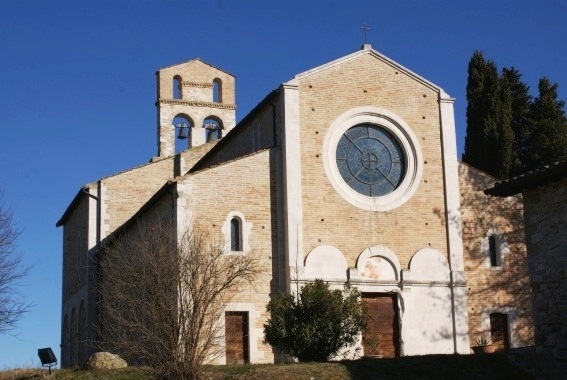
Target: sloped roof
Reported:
[(531, 179), (146, 206), (234, 131), (84, 190), (196, 60)]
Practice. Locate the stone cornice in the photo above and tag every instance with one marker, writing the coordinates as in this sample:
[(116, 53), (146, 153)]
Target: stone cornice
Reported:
[(197, 104), (196, 84)]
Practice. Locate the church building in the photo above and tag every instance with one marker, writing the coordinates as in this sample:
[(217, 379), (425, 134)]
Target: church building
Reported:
[(347, 172)]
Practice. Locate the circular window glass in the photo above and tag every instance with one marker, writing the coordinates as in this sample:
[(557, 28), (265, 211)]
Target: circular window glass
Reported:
[(370, 160)]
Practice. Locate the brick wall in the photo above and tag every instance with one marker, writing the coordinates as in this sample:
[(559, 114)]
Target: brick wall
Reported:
[(330, 219), (197, 72), (503, 288), (124, 193), (245, 185), (257, 133)]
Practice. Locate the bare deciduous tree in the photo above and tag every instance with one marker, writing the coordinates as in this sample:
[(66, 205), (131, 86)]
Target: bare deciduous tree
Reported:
[(163, 295), (12, 305)]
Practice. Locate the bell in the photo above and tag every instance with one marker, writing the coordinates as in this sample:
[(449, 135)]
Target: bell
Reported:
[(213, 134), (183, 131)]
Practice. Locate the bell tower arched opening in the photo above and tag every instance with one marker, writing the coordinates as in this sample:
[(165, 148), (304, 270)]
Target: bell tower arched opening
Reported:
[(213, 128), (183, 125)]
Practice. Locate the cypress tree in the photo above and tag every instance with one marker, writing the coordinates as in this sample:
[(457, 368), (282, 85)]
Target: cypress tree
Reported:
[(520, 122), (475, 87), (489, 139), (502, 157), (547, 141)]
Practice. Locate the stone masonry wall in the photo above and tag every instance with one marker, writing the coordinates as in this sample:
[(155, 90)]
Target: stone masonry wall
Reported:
[(546, 228), (503, 288)]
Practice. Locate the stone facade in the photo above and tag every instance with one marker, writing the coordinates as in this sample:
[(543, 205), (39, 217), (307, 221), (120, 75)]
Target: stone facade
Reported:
[(545, 216), (501, 286), (276, 173), (546, 228)]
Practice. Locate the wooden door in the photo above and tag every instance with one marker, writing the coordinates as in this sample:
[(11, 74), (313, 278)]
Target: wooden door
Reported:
[(499, 331), (383, 330), (236, 335)]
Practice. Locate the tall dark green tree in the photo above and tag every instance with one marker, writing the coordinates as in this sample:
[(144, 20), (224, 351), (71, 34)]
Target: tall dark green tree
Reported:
[(490, 138), (475, 92), (547, 141), (509, 132), (520, 117), (502, 157)]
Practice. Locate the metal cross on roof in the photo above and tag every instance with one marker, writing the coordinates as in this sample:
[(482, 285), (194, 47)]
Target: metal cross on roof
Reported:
[(366, 28)]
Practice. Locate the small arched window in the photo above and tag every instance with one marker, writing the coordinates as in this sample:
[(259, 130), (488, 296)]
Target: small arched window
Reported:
[(217, 91), (177, 87), (235, 235), (236, 232)]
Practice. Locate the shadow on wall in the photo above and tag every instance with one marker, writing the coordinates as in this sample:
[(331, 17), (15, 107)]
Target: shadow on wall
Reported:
[(426, 289), (495, 257)]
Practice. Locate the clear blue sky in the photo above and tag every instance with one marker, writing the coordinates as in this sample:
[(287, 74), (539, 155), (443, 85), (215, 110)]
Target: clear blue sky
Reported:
[(77, 88)]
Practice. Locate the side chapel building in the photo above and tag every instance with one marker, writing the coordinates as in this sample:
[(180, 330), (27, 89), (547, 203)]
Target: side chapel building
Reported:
[(347, 172)]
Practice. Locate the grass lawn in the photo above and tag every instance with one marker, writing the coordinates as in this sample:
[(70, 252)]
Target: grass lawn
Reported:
[(414, 368)]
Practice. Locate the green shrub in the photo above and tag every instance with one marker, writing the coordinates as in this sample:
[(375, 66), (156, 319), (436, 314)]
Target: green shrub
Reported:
[(316, 324)]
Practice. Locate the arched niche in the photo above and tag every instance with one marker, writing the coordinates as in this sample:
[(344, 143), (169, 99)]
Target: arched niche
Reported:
[(177, 93), (378, 263), (217, 90), (428, 264), (325, 262)]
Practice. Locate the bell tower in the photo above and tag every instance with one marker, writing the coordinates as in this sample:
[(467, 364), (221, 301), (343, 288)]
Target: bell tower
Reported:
[(195, 105)]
